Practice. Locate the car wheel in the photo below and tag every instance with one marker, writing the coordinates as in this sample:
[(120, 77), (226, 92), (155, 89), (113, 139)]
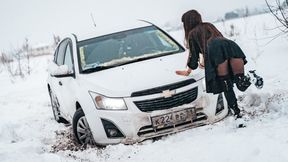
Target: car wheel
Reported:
[(55, 108), (81, 128)]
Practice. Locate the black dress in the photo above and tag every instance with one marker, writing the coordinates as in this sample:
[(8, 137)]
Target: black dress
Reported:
[(206, 39)]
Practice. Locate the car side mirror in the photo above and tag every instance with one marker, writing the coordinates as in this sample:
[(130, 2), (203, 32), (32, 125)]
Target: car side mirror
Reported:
[(59, 71)]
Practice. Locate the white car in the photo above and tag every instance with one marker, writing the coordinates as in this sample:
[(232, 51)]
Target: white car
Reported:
[(120, 86)]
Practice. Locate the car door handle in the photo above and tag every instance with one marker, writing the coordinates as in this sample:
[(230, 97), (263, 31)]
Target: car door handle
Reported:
[(60, 83)]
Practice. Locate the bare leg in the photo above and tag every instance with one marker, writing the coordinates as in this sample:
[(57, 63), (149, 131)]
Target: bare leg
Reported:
[(237, 65), (223, 69)]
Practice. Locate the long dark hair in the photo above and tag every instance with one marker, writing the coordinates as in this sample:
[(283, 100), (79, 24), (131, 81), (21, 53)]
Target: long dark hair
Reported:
[(201, 32), (190, 20)]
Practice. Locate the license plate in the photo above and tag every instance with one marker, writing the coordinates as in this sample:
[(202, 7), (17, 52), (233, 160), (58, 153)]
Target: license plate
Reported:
[(173, 118)]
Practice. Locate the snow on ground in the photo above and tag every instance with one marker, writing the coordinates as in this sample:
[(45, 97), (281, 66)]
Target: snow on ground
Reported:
[(29, 133)]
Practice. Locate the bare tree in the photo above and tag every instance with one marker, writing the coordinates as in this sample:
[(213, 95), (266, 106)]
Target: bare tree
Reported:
[(17, 54), (17, 61), (279, 11), (246, 12), (26, 52), (7, 62), (15, 67), (233, 33), (1, 62)]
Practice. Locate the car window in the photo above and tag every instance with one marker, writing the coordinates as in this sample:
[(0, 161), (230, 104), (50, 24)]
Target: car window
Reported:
[(124, 47), (61, 52), (68, 58)]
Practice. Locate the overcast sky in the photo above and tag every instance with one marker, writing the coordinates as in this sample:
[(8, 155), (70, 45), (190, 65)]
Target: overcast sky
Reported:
[(38, 20)]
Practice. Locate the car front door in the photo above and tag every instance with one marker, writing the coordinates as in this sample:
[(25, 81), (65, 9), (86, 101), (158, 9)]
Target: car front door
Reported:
[(63, 56), (55, 80), (67, 83)]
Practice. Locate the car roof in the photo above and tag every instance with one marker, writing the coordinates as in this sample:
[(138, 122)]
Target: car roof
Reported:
[(102, 29)]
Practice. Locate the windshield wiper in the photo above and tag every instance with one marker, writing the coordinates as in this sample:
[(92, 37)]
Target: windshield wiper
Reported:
[(145, 58), (94, 69), (99, 68), (132, 61)]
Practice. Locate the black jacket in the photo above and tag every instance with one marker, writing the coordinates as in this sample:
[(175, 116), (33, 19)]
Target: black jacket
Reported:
[(206, 39)]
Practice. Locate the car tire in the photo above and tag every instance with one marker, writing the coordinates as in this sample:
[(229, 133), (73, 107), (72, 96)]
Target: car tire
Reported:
[(81, 129), (55, 108)]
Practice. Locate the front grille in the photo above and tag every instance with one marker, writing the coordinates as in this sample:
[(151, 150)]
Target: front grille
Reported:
[(167, 103), (150, 131), (163, 88)]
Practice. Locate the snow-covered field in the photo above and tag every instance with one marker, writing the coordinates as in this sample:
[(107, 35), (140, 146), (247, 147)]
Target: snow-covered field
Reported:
[(29, 133)]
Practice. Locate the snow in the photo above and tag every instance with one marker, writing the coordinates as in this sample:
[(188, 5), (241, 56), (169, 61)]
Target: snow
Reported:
[(28, 131)]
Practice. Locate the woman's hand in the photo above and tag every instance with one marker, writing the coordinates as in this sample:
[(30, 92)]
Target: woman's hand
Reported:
[(183, 72)]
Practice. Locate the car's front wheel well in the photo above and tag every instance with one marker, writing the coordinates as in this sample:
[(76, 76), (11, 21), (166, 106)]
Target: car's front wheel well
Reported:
[(81, 129)]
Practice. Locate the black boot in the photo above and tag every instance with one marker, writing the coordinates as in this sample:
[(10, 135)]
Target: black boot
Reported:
[(256, 79), (230, 96), (242, 82), (235, 111)]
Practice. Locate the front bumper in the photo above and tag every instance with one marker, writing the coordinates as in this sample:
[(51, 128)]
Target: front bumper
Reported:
[(136, 125)]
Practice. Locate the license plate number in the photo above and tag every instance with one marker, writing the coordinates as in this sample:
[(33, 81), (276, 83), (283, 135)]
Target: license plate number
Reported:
[(173, 118)]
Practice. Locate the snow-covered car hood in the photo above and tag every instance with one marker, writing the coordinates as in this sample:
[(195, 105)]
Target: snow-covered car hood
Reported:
[(123, 80)]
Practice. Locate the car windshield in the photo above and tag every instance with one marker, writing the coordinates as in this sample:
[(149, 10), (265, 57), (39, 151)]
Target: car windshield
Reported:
[(125, 47)]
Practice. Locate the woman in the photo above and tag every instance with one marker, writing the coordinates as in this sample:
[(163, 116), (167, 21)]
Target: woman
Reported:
[(223, 59)]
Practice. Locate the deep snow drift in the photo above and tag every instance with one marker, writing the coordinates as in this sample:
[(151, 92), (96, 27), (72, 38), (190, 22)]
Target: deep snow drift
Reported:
[(29, 133)]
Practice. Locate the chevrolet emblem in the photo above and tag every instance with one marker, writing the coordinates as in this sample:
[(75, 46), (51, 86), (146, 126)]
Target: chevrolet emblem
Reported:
[(168, 93)]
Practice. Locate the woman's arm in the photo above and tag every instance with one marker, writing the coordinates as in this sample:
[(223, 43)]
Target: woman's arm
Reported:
[(194, 54), (193, 58)]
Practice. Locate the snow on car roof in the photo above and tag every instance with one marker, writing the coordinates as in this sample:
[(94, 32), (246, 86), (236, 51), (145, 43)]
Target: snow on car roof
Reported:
[(103, 29)]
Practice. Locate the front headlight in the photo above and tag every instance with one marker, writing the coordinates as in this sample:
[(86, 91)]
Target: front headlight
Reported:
[(106, 103)]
